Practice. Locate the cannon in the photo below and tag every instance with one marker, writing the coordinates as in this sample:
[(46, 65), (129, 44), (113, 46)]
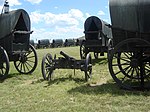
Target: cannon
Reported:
[(49, 64), (15, 43), (69, 42), (129, 54), (43, 43), (97, 34), (57, 43)]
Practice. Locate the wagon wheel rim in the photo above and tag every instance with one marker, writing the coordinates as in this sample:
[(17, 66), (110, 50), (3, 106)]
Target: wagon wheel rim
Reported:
[(4, 65), (96, 55), (83, 52), (88, 67), (27, 62), (124, 66), (47, 67)]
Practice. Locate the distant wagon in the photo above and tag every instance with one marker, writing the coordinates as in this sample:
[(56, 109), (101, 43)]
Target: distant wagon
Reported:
[(97, 34), (129, 56), (15, 43), (32, 42), (69, 42), (44, 43), (57, 43)]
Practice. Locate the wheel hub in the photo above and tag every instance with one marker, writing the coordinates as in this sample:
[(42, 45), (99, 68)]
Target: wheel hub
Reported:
[(134, 63), (23, 58)]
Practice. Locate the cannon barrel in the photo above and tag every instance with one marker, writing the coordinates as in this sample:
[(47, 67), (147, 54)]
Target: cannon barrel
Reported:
[(65, 55)]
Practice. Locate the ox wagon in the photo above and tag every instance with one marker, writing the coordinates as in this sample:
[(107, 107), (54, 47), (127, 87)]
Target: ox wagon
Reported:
[(129, 51), (15, 43), (97, 34)]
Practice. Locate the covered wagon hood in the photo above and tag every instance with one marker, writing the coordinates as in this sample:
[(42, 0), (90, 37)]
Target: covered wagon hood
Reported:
[(131, 15), (14, 20), (93, 23)]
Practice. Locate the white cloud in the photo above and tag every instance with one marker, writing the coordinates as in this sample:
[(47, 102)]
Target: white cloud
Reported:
[(72, 18), (101, 13), (34, 1), (64, 25), (14, 2)]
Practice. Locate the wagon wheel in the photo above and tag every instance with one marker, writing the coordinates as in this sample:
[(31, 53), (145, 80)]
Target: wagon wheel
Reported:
[(27, 61), (88, 67), (4, 63), (125, 66), (47, 67), (96, 55), (83, 51)]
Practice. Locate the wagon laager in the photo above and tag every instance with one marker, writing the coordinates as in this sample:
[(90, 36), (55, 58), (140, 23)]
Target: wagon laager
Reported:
[(97, 34), (15, 43), (129, 59), (49, 64)]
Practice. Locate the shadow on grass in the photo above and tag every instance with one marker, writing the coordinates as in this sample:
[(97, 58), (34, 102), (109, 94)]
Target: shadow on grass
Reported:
[(108, 88), (99, 61), (16, 75), (64, 79)]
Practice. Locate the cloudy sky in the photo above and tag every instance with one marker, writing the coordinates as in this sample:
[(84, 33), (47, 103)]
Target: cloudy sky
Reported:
[(60, 18)]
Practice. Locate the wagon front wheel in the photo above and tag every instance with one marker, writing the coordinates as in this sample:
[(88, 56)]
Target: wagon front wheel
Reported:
[(47, 67), (88, 67), (27, 62), (4, 63)]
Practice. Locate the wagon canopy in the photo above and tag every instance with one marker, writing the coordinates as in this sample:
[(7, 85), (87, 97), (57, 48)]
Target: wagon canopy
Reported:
[(14, 20), (93, 26), (131, 15)]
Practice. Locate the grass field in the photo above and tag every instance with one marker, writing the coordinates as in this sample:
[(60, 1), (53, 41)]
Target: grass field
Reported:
[(68, 92)]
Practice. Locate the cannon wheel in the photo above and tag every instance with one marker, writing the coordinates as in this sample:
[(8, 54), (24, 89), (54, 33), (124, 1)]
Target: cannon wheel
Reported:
[(124, 67), (88, 67), (96, 55), (47, 67), (27, 61), (83, 52), (4, 63)]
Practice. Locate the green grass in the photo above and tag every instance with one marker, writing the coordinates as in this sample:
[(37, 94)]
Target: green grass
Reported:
[(68, 92)]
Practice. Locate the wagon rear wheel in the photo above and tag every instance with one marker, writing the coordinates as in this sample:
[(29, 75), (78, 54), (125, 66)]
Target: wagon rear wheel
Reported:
[(88, 67), (124, 65), (83, 51), (27, 62), (47, 67), (4, 63)]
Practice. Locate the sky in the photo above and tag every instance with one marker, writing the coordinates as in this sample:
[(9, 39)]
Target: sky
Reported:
[(60, 19)]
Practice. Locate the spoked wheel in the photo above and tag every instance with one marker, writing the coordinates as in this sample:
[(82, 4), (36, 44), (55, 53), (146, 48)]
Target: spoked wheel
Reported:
[(27, 61), (96, 55), (4, 63), (47, 67), (125, 65), (88, 67), (83, 51)]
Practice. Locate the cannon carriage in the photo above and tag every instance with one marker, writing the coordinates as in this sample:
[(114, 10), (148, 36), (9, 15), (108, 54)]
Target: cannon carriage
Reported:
[(15, 43), (97, 34), (49, 64), (129, 50)]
